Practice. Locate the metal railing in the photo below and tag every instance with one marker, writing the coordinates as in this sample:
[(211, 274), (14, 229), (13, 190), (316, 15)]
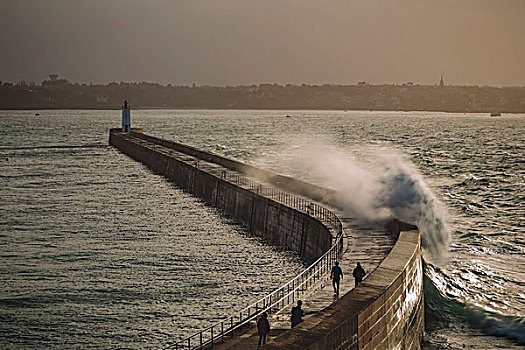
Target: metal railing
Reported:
[(312, 209), (283, 296), (302, 204), (288, 293), (280, 298)]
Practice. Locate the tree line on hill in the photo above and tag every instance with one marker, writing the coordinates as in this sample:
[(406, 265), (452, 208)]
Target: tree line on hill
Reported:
[(62, 94)]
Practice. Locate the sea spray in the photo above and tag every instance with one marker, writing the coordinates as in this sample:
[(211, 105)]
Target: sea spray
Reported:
[(403, 191), (378, 183), (376, 188)]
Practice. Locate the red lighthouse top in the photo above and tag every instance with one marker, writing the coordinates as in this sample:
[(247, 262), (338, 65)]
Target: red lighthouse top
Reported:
[(125, 104)]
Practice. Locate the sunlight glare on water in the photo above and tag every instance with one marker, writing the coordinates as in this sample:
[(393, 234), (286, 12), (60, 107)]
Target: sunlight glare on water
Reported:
[(97, 251)]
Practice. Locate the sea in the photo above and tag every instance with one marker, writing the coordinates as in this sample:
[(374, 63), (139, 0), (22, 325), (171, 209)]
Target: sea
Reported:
[(97, 252)]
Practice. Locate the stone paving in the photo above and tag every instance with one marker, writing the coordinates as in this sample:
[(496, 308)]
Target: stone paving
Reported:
[(368, 246)]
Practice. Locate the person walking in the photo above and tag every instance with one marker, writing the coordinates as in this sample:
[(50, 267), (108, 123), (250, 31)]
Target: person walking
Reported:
[(358, 274), (297, 314), (263, 328), (336, 275)]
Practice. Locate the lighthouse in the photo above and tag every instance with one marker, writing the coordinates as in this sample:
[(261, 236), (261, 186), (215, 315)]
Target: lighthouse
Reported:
[(126, 117)]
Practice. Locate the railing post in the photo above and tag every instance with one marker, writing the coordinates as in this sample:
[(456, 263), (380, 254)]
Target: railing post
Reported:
[(222, 332), (231, 326), (308, 279), (293, 291), (212, 337), (200, 336)]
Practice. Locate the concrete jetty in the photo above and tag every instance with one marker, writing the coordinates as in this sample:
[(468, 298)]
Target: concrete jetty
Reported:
[(384, 312)]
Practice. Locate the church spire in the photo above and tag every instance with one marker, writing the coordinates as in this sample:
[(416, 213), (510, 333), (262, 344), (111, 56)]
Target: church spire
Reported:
[(441, 82)]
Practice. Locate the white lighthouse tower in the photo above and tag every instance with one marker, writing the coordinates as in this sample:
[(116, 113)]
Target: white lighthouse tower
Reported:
[(126, 117)]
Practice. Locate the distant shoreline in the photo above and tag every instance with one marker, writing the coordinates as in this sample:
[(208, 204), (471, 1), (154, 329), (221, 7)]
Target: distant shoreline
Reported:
[(143, 108), (62, 94)]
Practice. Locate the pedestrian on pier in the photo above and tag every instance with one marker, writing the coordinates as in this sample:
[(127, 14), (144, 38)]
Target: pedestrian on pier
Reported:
[(263, 328), (336, 275), (358, 274), (297, 314)]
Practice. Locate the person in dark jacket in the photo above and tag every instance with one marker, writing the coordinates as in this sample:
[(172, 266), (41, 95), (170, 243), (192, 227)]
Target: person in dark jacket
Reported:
[(263, 328), (297, 314), (336, 275), (358, 274)]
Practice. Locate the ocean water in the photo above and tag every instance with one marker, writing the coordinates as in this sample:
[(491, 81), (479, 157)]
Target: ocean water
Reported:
[(97, 252)]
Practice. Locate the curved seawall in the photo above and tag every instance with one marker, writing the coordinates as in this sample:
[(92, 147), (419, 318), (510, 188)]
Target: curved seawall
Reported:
[(384, 312), (280, 224)]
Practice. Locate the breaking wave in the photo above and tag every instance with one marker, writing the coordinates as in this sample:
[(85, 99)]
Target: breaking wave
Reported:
[(442, 310), (382, 185)]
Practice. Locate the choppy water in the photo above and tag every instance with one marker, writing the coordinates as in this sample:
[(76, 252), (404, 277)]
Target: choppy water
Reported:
[(95, 251)]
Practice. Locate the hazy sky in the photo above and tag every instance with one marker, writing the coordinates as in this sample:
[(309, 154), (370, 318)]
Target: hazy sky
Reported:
[(230, 42)]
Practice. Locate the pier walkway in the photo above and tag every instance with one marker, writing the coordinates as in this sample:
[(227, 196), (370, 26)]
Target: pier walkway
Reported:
[(369, 246)]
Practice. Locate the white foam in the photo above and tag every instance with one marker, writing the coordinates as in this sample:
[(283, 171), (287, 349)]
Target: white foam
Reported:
[(381, 185)]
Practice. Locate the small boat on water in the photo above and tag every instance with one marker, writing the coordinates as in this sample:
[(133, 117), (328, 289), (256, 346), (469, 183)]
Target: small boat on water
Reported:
[(495, 114)]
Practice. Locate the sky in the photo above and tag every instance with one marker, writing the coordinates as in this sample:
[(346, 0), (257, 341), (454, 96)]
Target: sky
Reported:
[(244, 42)]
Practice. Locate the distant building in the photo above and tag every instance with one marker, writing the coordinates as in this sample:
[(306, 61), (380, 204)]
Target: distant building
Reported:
[(396, 102), (441, 82), (102, 98), (54, 81)]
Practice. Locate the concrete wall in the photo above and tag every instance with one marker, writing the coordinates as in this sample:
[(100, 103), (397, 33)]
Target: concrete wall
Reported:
[(384, 312), (297, 186), (265, 217)]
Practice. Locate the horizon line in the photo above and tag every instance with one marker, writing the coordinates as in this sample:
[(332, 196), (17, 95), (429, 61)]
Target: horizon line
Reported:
[(23, 82)]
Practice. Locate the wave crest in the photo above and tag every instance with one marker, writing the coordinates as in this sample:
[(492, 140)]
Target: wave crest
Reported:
[(381, 185), (442, 310)]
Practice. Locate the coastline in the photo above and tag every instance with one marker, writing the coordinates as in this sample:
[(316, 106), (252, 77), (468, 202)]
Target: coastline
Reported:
[(145, 108)]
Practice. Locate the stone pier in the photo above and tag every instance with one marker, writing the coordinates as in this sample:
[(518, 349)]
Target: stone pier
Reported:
[(384, 312)]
